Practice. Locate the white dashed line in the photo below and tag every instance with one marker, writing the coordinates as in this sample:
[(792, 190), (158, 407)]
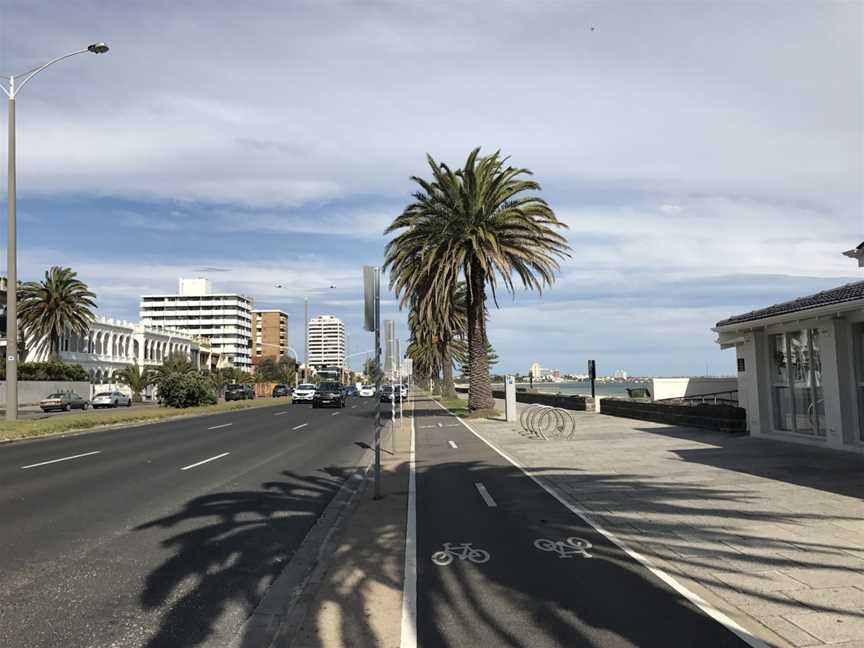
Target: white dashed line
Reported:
[(440, 425), (45, 463), (426, 426), (216, 427), (297, 427), (219, 456), (335, 414), (452, 445), (281, 413), (353, 407), (485, 495)]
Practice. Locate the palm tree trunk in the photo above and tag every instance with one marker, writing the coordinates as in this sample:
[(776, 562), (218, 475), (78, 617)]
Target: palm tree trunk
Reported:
[(480, 387), (448, 390)]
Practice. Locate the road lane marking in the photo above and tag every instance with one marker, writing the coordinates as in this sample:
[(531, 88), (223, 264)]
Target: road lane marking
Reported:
[(219, 456), (335, 414), (297, 427), (453, 444), (353, 407), (585, 515), (408, 634), (485, 494), (564, 548), (45, 463), (281, 413), (216, 427), (440, 425), (426, 426), (460, 550)]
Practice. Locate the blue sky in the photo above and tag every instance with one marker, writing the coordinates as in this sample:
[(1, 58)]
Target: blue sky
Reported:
[(707, 157)]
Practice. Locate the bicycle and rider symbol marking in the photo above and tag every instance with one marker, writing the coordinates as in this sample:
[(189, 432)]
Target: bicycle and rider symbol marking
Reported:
[(565, 548), (462, 551)]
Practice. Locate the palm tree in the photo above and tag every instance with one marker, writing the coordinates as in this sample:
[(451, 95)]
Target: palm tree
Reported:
[(58, 305), (475, 223), (136, 379)]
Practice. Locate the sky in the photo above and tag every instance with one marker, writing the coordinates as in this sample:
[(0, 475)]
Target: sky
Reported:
[(706, 157)]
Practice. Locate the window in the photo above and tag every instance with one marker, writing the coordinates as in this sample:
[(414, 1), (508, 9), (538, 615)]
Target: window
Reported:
[(859, 376), (796, 382)]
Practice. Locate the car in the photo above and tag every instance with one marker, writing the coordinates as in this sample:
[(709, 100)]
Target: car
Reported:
[(63, 402), (367, 391), (235, 392), (351, 391), (281, 390), (403, 391), (111, 399), (250, 391), (303, 393), (329, 393), (390, 393)]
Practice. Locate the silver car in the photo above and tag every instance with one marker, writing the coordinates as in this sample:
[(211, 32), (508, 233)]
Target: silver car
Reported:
[(111, 399), (303, 394)]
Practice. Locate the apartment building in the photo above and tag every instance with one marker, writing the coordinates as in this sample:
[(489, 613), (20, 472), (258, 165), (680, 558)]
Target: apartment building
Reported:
[(270, 334), (225, 319), (326, 336)]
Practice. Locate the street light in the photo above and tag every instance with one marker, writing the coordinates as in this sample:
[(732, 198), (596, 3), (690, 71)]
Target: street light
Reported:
[(305, 332), (11, 252)]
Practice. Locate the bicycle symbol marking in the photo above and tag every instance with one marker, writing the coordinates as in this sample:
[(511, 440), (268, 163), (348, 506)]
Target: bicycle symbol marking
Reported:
[(462, 551), (565, 548)]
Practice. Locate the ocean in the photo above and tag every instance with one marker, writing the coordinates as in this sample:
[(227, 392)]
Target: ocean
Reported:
[(601, 389)]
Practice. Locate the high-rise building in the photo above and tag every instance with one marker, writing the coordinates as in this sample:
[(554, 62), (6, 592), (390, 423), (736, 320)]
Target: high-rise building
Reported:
[(270, 334), (326, 336), (225, 319)]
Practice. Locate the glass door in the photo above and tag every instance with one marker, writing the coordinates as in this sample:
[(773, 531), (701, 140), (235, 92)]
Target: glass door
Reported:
[(799, 401)]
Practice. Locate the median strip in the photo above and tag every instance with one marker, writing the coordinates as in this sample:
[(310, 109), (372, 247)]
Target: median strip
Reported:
[(219, 456), (297, 427), (45, 463), (216, 427)]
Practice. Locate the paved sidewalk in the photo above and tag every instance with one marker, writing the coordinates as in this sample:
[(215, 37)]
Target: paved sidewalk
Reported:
[(770, 533), (357, 601)]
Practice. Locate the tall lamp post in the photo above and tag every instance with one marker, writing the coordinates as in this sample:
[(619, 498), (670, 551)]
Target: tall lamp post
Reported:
[(305, 333), (11, 252)]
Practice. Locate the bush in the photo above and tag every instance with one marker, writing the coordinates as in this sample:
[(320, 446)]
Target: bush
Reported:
[(185, 389), (58, 371)]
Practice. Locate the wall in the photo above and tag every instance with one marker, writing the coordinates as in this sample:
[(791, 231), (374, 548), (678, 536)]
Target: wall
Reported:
[(576, 403), (678, 387), (724, 418), (32, 391)]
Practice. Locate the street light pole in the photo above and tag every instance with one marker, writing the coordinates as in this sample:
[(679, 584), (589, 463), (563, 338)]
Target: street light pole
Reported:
[(306, 339), (12, 238)]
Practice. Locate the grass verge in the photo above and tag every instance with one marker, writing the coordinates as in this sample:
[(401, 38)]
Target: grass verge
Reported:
[(28, 429), (456, 406)]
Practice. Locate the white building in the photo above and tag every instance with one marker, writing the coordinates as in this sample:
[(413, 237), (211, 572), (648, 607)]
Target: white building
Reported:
[(224, 319), (110, 345), (801, 368), (620, 374), (326, 336)]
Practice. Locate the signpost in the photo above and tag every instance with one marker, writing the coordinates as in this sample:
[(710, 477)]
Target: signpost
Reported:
[(372, 322), (592, 375)]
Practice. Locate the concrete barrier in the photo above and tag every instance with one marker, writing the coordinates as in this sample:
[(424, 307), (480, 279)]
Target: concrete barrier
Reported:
[(574, 402), (723, 418), (31, 392)]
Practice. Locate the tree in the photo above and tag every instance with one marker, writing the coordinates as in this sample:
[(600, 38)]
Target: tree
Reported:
[(136, 379), (266, 370), (477, 223), (58, 305), (180, 384)]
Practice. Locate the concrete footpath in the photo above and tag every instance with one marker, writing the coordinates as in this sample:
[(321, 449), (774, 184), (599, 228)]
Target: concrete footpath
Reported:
[(769, 533), (356, 598)]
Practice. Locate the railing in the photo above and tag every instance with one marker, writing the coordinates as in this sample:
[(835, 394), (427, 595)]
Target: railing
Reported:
[(729, 397)]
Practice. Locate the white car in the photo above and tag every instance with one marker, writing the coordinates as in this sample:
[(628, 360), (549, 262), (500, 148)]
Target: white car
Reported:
[(367, 391), (111, 399), (303, 393), (404, 390)]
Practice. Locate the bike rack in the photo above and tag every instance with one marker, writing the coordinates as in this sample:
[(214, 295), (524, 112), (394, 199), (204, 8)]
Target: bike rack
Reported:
[(547, 422)]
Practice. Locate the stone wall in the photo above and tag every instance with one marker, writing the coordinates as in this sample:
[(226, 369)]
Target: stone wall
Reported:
[(724, 418), (32, 391)]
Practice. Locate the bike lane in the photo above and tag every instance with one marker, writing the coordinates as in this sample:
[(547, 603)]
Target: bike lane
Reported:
[(535, 589)]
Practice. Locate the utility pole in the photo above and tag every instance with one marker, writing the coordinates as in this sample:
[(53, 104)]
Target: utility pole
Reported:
[(377, 382), (306, 339)]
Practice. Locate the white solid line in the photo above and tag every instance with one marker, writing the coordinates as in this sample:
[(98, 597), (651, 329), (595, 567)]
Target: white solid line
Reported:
[(219, 456), (297, 427), (216, 427), (45, 463), (426, 426), (694, 598), (280, 413), (408, 638), (485, 494), (453, 444)]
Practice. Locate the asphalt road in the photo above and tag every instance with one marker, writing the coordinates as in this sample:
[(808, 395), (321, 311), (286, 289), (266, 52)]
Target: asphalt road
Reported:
[(520, 582), (165, 534)]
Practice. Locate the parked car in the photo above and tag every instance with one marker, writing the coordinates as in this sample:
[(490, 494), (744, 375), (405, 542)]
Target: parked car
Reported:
[(250, 391), (236, 392), (403, 389), (303, 393), (390, 393), (281, 390), (63, 402), (329, 393), (367, 391), (111, 399)]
